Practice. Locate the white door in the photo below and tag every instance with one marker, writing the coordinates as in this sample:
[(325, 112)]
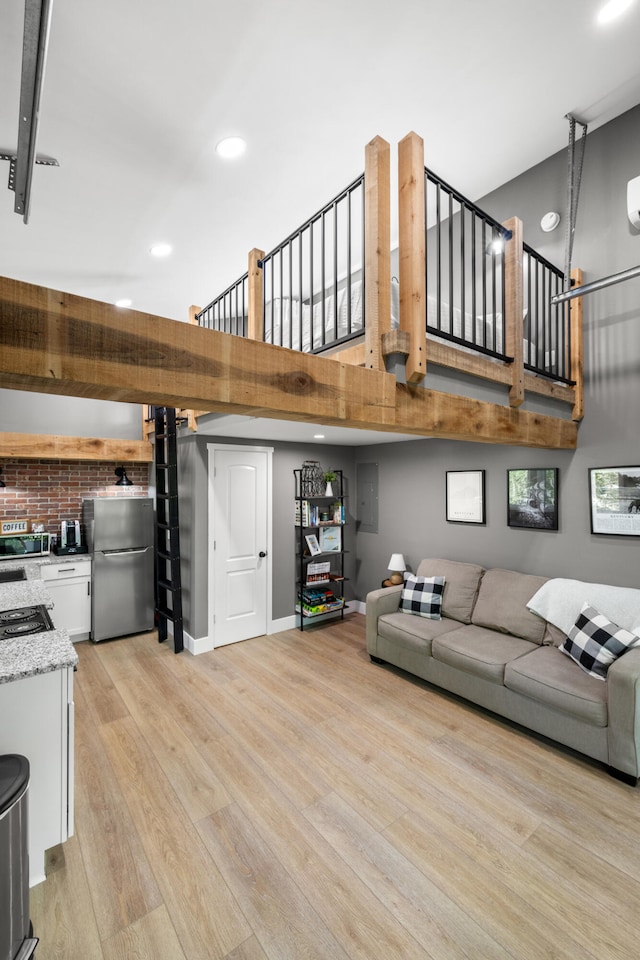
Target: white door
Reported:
[(239, 542)]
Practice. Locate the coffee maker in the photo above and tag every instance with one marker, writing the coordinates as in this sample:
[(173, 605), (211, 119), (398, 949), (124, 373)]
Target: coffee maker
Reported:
[(70, 539)]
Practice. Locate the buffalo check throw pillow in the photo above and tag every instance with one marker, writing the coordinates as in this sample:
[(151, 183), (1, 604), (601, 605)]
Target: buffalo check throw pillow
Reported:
[(594, 642), (422, 596)]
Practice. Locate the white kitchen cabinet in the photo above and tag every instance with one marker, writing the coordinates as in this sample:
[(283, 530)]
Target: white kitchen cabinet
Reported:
[(36, 720), (69, 585)]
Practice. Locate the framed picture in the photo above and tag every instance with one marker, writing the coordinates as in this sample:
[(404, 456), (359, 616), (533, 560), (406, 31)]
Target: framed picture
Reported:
[(330, 539), (312, 544), (614, 493), (465, 496), (532, 498)]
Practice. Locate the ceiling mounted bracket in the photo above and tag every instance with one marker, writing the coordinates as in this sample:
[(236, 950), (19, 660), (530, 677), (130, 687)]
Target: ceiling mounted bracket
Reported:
[(37, 18), (13, 160)]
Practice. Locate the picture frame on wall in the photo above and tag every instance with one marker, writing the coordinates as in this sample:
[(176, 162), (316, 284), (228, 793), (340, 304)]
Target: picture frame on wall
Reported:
[(532, 498), (614, 497), (465, 496)]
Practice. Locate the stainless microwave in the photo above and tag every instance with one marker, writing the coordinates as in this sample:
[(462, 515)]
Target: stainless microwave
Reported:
[(16, 545)]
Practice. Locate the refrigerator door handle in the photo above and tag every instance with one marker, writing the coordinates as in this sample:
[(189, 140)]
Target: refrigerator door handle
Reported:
[(124, 553)]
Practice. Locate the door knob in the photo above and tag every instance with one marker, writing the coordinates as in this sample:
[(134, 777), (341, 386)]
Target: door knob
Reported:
[(262, 554)]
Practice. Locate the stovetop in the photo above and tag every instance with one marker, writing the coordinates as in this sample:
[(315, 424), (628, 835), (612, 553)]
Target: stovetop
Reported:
[(24, 621)]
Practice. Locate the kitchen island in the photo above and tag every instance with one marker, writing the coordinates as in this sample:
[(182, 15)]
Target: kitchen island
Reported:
[(36, 713)]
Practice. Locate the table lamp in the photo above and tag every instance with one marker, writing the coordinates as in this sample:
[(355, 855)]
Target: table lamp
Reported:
[(397, 566)]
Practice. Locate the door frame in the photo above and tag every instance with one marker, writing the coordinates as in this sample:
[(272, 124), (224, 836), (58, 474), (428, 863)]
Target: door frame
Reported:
[(211, 533)]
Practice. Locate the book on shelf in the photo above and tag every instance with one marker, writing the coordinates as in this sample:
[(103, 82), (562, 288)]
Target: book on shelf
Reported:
[(318, 572)]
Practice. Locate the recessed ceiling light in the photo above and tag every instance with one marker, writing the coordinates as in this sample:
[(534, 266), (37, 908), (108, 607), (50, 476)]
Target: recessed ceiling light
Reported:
[(613, 9), (318, 436), (125, 302), (231, 147), (161, 249)]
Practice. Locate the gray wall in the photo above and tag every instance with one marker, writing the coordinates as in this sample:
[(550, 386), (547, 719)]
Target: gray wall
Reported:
[(25, 412), (412, 475)]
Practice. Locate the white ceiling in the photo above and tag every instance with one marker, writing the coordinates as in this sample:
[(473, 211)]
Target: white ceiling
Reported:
[(137, 94)]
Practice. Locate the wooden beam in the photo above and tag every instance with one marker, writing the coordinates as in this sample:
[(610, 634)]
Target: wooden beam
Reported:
[(412, 252), (377, 249), (577, 347), (33, 446), (59, 343), (52, 342), (452, 417), (255, 319), (446, 355), (354, 355), (514, 331), (396, 341)]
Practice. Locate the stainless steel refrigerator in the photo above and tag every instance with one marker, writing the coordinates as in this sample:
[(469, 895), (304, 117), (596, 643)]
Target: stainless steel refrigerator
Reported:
[(119, 532)]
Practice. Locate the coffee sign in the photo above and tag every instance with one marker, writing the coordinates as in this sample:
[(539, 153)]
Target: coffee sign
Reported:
[(13, 526)]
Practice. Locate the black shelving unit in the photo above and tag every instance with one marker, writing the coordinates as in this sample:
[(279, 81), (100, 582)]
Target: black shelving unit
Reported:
[(320, 576)]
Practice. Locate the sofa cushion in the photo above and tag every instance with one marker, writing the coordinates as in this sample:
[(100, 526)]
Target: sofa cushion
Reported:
[(413, 633), (479, 651), (461, 585), (422, 596), (545, 675), (502, 604), (594, 642)]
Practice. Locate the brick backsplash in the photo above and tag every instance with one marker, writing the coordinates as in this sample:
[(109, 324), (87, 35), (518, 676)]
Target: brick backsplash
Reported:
[(49, 491)]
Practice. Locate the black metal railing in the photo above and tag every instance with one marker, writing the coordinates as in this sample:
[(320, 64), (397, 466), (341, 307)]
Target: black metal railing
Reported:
[(464, 270), (546, 326), (314, 283), (228, 312)]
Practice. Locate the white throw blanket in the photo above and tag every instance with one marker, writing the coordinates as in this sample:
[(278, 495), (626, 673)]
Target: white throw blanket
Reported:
[(560, 601)]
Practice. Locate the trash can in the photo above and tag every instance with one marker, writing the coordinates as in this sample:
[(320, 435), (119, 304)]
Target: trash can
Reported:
[(16, 940)]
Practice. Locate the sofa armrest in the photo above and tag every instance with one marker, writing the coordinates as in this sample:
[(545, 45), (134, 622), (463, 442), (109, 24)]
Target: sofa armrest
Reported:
[(379, 602), (623, 681)]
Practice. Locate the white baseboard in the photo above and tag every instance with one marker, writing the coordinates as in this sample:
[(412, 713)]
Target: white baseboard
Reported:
[(197, 645), (359, 606), (284, 623)]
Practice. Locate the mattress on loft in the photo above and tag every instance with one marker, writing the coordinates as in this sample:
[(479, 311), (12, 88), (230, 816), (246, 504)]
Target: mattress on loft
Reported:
[(466, 328), (287, 314)]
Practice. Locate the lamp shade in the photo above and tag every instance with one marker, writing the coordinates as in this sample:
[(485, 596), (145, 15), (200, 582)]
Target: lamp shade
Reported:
[(397, 563)]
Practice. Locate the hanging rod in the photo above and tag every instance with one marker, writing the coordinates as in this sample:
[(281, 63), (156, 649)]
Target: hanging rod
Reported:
[(596, 285)]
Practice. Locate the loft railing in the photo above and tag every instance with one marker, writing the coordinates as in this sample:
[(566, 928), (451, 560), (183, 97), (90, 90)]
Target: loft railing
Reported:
[(313, 282), (229, 311), (546, 326), (464, 270)]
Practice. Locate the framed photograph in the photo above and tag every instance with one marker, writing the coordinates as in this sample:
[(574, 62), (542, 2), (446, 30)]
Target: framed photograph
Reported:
[(312, 544), (532, 498), (465, 496), (330, 539), (614, 494)]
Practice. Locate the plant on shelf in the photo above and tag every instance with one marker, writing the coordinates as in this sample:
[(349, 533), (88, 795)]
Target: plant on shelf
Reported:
[(329, 476)]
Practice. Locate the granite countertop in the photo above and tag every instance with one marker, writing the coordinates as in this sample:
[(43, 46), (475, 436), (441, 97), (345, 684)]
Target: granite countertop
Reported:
[(40, 652)]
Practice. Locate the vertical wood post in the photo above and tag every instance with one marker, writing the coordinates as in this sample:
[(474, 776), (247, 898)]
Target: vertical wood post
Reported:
[(412, 253), (514, 330), (576, 357), (377, 253), (255, 320)]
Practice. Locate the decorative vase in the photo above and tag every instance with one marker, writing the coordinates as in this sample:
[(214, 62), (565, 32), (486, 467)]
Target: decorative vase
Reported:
[(311, 481), (329, 491)]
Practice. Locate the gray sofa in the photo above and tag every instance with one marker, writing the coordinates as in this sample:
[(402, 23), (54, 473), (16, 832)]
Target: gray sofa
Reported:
[(489, 648)]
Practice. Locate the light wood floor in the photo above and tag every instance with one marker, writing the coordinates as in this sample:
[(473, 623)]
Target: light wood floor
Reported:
[(284, 798)]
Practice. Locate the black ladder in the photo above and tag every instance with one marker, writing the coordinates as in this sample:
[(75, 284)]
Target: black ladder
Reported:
[(168, 583)]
